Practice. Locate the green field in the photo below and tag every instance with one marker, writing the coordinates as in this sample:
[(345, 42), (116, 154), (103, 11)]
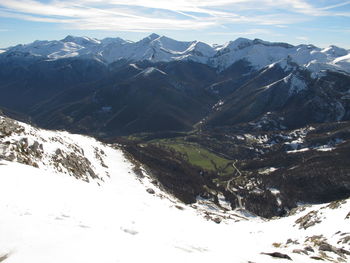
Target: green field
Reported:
[(199, 156)]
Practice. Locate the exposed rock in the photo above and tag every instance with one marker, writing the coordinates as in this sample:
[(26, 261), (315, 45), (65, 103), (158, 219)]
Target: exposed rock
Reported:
[(277, 245), (316, 258), (8, 127), (76, 165), (290, 241), (343, 251), (347, 216), (278, 255), (99, 154), (308, 220), (341, 259), (308, 248), (316, 240), (150, 191), (345, 240), (300, 251), (336, 204), (217, 220), (324, 246), (179, 207), (21, 151), (3, 257)]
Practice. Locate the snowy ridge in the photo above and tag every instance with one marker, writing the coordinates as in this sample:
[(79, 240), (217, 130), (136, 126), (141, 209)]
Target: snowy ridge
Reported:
[(157, 48), (153, 48), (57, 152), (49, 216), (78, 156), (261, 54)]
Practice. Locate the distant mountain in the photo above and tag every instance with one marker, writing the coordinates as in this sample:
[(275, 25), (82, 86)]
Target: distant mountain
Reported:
[(153, 48), (157, 48), (132, 98), (290, 91), (113, 86)]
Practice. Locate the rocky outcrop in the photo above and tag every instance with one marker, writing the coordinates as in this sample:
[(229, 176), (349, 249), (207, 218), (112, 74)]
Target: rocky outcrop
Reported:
[(24, 144), (278, 255), (76, 165)]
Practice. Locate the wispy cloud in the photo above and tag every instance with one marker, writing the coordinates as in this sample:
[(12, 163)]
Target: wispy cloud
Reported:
[(249, 32), (152, 15), (336, 5), (303, 38)]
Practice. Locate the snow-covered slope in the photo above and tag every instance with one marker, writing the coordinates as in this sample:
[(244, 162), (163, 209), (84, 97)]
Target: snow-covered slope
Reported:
[(107, 212), (157, 48), (261, 54), (258, 53), (153, 48)]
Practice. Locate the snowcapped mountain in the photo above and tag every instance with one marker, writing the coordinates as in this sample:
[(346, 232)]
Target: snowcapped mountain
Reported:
[(260, 54), (69, 198), (155, 48), (302, 84)]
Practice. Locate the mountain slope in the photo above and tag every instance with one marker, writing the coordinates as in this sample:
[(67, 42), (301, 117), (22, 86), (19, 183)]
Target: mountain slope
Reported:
[(47, 215), (293, 95), (137, 97)]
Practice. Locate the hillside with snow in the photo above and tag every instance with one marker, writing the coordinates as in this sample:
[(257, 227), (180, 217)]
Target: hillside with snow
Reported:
[(155, 48), (69, 198)]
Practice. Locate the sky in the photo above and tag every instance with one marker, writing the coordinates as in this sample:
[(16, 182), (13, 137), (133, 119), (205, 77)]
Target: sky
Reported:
[(318, 22)]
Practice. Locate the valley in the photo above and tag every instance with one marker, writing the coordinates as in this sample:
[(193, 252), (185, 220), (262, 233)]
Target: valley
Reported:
[(125, 142)]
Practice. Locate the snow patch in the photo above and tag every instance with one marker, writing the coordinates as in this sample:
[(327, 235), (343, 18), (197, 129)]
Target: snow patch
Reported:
[(135, 66), (148, 71), (296, 85), (268, 170)]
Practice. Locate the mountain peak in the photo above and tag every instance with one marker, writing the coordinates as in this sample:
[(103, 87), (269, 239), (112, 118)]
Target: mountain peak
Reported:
[(239, 43), (80, 40), (335, 51), (149, 38), (68, 38), (153, 36)]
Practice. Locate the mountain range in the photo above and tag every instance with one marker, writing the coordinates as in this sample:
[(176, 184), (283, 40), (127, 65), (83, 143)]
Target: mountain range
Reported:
[(238, 140), (117, 87), (157, 48), (245, 114)]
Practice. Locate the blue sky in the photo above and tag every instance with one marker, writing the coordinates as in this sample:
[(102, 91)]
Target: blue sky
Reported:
[(319, 22)]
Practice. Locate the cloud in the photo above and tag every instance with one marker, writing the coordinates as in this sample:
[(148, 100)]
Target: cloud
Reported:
[(249, 32), (336, 5), (302, 38), (153, 15)]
